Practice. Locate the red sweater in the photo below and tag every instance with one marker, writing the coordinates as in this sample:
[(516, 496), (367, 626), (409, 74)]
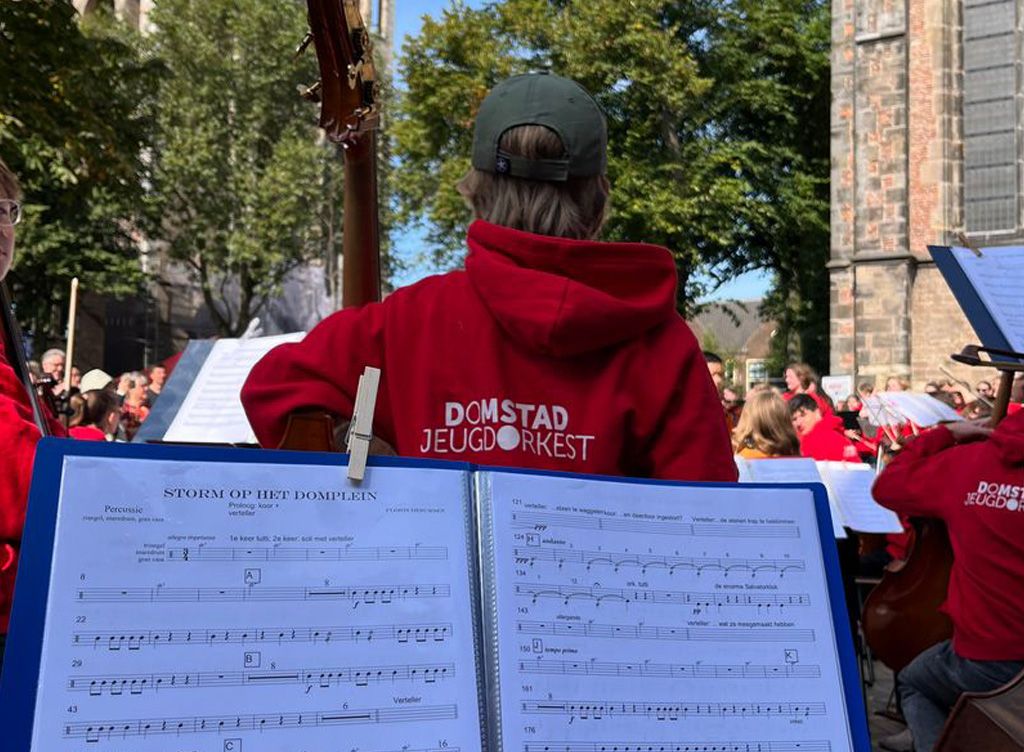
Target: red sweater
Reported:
[(18, 438), (826, 441), (977, 489), (545, 352)]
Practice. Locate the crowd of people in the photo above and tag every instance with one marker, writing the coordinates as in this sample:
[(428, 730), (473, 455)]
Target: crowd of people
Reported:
[(131, 397), (555, 351), (966, 474)]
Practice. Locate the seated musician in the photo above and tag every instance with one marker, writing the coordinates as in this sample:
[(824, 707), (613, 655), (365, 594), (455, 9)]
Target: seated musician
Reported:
[(972, 479), (764, 430), (18, 431), (550, 350), (821, 434)]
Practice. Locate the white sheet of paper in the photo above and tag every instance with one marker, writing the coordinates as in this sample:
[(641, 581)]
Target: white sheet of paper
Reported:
[(998, 277), (922, 409), (794, 470), (634, 614), (851, 483), (212, 410), (293, 612)]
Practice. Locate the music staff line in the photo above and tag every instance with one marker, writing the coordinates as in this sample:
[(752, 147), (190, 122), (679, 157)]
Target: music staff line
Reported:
[(323, 678), (648, 632), (618, 559), (133, 640), (93, 731), (543, 520), (669, 711), (599, 594), (296, 553), (761, 746), (670, 670), (364, 594)]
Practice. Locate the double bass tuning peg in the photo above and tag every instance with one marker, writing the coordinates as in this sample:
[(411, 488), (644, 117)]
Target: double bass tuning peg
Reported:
[(304, 44), (311, 93)]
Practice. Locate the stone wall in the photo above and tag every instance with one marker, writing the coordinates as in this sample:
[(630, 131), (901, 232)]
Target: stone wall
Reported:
[(896, 188)]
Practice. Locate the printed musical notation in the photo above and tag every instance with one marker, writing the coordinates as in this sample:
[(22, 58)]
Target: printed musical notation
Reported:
[(670, 670), (93, 731), (286, 553), (544, 520), (136, 639), (599, 594), (308, 677), (620, 559), (647, 632), (812, 746), (669, 711), (363, 594)]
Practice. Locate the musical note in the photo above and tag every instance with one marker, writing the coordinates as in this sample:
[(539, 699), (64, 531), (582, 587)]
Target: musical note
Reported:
[(646, 632), (635, 595), (543, 520), (310, 677), (286, 553), (131, 640), (360, 594), (669, 711), (670, 670), (810, 746), (93, 731), (619, 559)]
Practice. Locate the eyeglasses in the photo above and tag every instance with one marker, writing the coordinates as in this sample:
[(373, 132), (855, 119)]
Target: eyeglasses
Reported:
[(10, 212)]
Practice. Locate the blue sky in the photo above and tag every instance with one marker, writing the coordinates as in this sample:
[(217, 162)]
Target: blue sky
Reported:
[(408, 20)]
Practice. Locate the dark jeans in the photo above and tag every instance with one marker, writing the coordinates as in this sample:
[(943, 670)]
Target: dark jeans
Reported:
[(931, 684)]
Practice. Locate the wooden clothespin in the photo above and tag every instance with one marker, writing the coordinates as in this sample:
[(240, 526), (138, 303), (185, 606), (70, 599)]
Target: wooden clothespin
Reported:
[(969, 245), (360, 429)]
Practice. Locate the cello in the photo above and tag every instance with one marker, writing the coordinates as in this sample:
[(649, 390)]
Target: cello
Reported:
[(349, 116), (901, 616)]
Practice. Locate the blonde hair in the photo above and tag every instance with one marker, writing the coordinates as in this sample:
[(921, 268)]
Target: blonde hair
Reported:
[(765, 425), (576, 208), (9, 185)]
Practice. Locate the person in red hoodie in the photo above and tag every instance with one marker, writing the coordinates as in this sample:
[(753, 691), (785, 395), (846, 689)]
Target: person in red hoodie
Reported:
[(18, 431), (821, 436), (973, 480), (550, 350)]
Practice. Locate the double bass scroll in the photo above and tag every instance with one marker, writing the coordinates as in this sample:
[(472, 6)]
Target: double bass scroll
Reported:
[(349, 115)]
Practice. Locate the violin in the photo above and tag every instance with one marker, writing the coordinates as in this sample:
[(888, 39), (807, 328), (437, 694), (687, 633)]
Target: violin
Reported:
[(348, 94)]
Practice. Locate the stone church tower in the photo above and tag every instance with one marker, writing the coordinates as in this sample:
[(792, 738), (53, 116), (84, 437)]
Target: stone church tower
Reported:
[(926, 144)]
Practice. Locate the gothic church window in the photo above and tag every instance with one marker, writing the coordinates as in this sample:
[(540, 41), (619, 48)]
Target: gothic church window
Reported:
[(992, 116)]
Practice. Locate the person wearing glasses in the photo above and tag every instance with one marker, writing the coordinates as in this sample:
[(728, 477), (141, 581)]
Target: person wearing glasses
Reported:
[(18, 431)]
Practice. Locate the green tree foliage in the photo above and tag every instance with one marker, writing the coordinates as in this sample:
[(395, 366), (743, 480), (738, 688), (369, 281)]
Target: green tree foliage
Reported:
[(75, 116), (718, 130), (243, 184)]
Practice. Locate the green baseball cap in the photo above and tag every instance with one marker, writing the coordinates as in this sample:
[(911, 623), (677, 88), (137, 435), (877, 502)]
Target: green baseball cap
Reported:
[(553, 102)]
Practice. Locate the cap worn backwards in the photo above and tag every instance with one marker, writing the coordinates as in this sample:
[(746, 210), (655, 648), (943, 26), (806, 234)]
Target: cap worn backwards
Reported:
[(553, 102)]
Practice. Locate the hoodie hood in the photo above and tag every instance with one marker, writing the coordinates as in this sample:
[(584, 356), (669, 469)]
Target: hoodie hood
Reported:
[(562, 297), (1009, 438)]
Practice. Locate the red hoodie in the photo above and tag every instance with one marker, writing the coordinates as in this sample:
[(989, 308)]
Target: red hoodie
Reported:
[(18, 438), (545, 352), (826, 441), (977, 489)]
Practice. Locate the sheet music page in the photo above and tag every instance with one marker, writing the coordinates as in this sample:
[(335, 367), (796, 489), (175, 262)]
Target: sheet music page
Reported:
[(794, 470), (851, 483), (922, 409), (997, 276), (631, 614), (243, 607), (212, 411)]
